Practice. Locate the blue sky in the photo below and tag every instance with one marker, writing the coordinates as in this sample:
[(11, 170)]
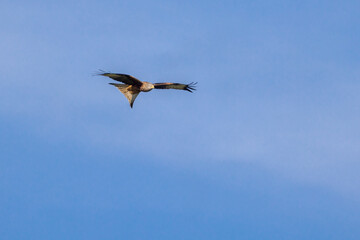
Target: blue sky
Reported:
[(267, 148)]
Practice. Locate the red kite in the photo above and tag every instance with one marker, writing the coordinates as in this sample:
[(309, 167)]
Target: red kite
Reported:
[(131, 86)]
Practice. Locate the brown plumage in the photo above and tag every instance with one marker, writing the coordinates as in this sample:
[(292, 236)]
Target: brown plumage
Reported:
[(132, 86), (188, 87)]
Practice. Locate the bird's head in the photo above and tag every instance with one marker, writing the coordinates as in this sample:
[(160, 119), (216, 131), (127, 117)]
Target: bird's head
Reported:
[(146, 86)]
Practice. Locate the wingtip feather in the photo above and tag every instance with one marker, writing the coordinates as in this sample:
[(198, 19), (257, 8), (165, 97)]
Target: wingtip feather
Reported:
[(100, 72), (191, 87)]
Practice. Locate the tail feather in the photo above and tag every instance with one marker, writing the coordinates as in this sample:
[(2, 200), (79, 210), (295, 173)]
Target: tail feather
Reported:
[(128, 92)]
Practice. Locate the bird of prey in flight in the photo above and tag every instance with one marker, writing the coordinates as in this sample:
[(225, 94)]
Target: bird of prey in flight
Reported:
[(131, 87)]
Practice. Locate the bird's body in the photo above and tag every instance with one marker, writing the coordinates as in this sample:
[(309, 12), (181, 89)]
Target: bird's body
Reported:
[(131, 86)]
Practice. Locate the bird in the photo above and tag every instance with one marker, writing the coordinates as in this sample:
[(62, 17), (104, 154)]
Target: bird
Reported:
[(131, 86)]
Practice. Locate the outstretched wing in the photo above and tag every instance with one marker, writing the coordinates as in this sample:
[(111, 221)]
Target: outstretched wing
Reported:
[(124, 78), (188, 87), (129, 91)]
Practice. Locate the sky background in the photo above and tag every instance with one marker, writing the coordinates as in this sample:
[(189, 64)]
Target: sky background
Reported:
[(267, 148)]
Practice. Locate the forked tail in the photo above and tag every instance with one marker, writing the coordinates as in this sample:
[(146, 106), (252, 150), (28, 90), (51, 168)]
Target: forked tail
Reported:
[(128, 92)]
